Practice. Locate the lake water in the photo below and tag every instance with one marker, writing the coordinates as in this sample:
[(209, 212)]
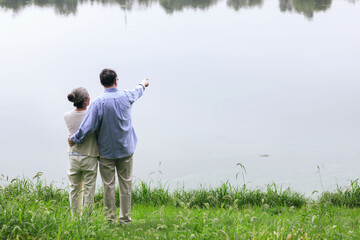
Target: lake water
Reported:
[(273, 85)]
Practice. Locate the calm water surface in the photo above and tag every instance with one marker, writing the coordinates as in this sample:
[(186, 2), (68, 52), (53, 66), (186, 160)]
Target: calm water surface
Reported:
[(272, 85)]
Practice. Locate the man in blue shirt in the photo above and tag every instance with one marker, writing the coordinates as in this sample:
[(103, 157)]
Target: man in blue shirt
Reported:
[(110, 116)]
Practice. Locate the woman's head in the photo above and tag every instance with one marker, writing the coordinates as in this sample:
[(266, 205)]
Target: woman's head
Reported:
[(79, 96)]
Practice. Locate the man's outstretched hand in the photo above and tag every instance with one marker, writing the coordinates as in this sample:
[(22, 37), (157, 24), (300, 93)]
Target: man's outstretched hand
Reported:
[(145, 82), (71, 143)]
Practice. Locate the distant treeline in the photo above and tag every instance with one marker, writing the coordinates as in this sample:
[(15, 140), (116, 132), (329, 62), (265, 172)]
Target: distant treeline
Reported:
[(67, 7)]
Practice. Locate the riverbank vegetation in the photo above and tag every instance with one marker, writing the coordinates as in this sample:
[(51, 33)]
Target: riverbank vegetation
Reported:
[(33, 209), (66, 7)]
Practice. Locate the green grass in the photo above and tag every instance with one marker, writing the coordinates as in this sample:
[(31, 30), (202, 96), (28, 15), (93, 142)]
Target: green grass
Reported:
[(348, 196), (33, 209), (222, 196)]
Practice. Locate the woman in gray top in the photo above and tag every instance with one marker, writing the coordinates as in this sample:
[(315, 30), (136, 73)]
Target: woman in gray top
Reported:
[(83, 158)]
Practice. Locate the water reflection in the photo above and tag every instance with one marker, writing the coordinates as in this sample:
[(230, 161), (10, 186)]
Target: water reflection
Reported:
[(124, 4), (238, 4), (171, 6), (62, 7), (68, 7), (305, 7)]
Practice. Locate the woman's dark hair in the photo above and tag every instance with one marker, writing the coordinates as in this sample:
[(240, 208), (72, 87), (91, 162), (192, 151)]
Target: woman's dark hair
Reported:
[(78, 96), (108, 77)]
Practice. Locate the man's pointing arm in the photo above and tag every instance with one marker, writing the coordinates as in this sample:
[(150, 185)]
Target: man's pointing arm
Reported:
[(89, 125)]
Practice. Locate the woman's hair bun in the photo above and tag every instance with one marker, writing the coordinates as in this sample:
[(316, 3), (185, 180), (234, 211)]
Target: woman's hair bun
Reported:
[(78, 96), (71, 97)]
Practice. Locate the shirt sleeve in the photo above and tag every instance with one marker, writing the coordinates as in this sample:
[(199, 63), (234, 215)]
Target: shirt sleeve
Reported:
[(89, 125), (135, 94)]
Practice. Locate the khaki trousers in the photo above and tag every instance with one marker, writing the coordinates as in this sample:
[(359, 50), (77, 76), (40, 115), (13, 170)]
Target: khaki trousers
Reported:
[(82, 182), (123, 168)]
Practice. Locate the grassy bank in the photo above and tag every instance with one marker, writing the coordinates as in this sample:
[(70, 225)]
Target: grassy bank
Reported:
[(32, 209)]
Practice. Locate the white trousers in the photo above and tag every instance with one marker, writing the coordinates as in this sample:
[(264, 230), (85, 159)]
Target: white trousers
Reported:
[(82, 182), (123, 168)]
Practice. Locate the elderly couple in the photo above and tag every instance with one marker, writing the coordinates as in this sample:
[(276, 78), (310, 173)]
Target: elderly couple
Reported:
[(102, 135)]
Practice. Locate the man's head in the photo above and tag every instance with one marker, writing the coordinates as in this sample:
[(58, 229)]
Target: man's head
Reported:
[(108, 77)]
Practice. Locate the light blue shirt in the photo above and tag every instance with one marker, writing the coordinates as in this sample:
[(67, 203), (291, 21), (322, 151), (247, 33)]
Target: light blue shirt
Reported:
[(110, 114)]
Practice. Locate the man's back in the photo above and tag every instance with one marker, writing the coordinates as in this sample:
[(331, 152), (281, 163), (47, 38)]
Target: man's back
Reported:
[(117, 138), (110, 114)]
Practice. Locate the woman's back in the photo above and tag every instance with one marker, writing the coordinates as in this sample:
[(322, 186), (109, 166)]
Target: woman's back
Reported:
[(89, 147)]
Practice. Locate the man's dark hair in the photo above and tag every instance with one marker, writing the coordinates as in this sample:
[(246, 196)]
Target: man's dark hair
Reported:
[(108, 77)]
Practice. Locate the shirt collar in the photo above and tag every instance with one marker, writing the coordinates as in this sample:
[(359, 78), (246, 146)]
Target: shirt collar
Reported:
[(111, 89)]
